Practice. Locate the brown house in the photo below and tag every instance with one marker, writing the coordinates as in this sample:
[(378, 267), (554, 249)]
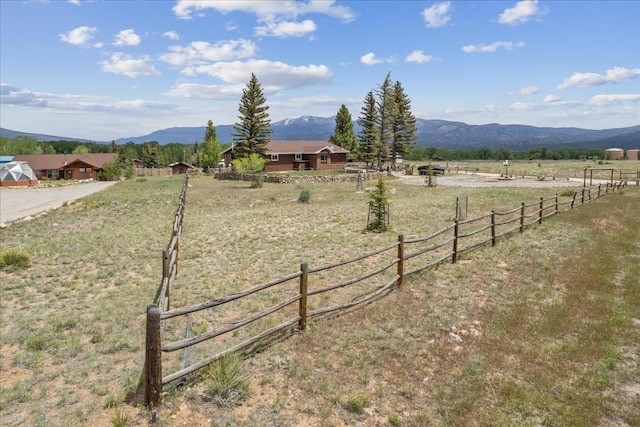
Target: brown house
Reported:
[(67, 166), (300, 155), (180, 168)]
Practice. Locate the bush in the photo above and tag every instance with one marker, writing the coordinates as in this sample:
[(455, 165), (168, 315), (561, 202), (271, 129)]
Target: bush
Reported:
[(14, 258), (357, 403), (226, 380), (305, 196)]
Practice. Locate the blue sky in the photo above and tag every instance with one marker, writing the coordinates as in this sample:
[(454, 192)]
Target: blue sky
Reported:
[(104, 70)]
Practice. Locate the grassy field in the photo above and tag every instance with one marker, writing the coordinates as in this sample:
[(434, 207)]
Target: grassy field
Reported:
[(72, 332)]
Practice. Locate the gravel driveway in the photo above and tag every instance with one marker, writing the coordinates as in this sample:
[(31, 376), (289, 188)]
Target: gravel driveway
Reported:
[(491, 180), (19, 202)]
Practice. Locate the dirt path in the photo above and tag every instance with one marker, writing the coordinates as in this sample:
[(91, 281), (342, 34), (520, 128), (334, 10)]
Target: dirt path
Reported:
[(16, 203)]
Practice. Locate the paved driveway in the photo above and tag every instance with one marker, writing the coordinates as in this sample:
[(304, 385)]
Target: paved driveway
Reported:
[(19, 202)]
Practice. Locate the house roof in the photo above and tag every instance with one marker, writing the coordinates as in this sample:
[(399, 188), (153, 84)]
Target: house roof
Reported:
[(58, 161), (300, 147), (188, 165)]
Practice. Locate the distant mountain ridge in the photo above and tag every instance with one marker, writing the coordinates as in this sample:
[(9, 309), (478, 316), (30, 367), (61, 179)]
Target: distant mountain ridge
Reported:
[(431, 133)]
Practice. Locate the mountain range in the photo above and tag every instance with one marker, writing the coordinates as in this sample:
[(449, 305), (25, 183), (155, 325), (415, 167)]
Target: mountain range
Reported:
[(430, 133)]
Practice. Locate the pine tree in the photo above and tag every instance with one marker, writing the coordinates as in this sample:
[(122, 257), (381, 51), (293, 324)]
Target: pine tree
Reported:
[(403, 124), (378, 220), (386, 112), (369, 135), (344, 135), (253, 132), (211, 148)]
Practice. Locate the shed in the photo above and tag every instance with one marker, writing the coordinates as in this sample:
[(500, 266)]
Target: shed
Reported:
[(632, 154), (17, 174)]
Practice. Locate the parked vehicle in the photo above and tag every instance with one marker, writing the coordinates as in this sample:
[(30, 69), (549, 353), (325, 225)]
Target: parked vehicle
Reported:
[(435, 169)]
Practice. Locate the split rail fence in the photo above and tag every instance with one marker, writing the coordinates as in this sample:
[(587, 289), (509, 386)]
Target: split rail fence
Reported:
[(310, 291)]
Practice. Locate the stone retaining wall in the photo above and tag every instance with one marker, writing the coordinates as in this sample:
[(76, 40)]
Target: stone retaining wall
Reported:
[(300, 179)]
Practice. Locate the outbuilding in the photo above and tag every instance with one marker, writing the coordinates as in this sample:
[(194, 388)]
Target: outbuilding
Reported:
[(614, 154), (17, 174)]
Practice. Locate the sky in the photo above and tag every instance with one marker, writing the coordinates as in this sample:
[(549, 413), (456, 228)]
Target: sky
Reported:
[(104, 70)]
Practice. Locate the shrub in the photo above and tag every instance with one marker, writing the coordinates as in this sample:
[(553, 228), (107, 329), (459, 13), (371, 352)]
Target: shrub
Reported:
[(378, 220), (305, 196), (14, 258), (357, 403), (119, 419), (226, 380)]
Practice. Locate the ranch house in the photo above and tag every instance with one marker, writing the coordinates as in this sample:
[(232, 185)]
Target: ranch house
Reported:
[(285, 156), (67, 166)]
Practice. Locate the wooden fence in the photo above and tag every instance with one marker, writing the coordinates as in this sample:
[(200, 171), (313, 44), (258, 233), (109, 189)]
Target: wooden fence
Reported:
[(370, 275)]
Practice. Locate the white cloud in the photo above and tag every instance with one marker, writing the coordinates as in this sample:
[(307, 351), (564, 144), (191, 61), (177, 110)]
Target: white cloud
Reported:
[(194, 90), (437, 15), (419, 56), (120, 63), (266, 9), (286, 28), (171, 35), (201, 52), (272, 75), (493, 47), (80, 36), (521, 12), (76, 2), (12, 95), (550, 99), (370, 59), (526, 106), (613, 75), (127, 38), (529, 90), (602, 100)]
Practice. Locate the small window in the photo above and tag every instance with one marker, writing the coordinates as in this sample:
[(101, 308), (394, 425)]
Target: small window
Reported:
[(323, 158), (88, 169), (274, 157), (298, 156), (81, 169)]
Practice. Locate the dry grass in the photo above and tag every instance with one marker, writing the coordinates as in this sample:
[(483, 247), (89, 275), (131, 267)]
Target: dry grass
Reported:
[(73, 322)]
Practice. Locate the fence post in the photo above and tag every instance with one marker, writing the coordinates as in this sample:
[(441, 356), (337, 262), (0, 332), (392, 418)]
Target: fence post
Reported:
[(153, 359), (589, 193), (522, 217), (582, 197), (454, 258), (599, 188), (400, 259), (556, 210), (493, 228), (304, 283), (573, 201), (541, 208)]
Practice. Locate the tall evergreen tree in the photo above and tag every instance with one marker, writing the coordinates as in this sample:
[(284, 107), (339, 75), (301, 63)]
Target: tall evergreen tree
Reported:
[(253, 132), (369, 137), (211, 148), (403, 124), (344, 135), (386, 112)]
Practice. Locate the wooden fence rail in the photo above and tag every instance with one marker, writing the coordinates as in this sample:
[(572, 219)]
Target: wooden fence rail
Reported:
[(408, 256)]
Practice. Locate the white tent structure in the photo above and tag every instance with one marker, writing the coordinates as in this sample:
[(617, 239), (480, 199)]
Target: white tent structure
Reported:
[(17, 173)]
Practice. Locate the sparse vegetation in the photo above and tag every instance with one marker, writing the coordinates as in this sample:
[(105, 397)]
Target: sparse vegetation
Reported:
[(305, 196)]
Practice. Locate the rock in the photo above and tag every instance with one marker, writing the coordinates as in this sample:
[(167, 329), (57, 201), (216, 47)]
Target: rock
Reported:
[(458, 349), (3, 225), (454, 329), (453, 337)]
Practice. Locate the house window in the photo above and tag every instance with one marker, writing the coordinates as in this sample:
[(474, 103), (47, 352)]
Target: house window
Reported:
[(298, 156), (53, 174), (81, 169), (274, 157), (323, 158), (88, 169)]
